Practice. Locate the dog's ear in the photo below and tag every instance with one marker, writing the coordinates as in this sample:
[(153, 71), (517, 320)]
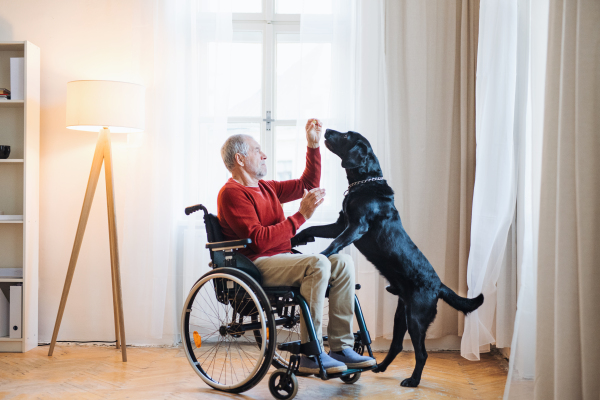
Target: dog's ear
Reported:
[(357, 156)]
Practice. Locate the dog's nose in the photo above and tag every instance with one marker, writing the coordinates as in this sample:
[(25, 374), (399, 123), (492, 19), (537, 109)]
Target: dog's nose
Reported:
[(328, 133)]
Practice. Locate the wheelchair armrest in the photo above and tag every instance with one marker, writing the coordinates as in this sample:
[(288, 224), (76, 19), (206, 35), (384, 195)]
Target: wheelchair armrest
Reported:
[(228, 245), (309, 239)]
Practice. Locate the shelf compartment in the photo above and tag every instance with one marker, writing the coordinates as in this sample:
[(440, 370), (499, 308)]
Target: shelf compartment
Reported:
[(11, 131), (11, 189), (11, 245)]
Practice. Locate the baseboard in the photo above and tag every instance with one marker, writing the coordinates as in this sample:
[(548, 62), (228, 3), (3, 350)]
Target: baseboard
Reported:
[(446, 343)]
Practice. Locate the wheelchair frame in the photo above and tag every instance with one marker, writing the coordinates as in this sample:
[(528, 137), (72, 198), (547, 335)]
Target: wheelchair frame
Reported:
[(242, 275)]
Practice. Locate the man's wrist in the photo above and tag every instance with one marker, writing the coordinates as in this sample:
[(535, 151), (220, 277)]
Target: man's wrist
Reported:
[(313, 145)]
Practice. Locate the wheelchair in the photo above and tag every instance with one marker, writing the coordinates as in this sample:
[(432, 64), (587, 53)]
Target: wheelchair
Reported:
[(233, 329)]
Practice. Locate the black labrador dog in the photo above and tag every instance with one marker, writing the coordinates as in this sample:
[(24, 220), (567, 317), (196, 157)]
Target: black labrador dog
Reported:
[(370, 220)]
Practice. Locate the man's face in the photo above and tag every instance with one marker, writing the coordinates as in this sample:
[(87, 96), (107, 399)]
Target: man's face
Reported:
[(255, 162)]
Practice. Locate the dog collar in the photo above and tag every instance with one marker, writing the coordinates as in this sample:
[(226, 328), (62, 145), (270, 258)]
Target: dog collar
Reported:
[(359, 182)]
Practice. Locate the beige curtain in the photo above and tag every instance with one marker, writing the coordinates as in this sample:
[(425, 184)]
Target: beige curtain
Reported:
[(568, 317), (431, 51)]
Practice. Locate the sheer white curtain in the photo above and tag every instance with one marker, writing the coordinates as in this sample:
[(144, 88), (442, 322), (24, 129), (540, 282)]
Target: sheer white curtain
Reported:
[(500, 118), (178, 161), (533, 15)]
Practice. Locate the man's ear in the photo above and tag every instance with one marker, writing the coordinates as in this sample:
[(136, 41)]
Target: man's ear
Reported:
[(356, 157), (238, 159)]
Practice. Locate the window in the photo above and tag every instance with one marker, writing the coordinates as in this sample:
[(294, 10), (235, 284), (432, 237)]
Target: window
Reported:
[(266, 62)]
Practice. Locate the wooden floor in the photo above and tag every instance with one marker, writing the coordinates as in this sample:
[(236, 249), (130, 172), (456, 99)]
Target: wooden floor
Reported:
[(95, 372)]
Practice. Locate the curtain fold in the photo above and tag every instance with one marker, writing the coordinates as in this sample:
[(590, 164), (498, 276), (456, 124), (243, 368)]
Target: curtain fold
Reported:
[(568, 317), (177, 161), (431, 53), (533, 15), (500, 119)]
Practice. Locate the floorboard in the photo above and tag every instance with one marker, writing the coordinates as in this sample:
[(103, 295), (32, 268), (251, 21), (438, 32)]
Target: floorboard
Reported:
[(96, 372)]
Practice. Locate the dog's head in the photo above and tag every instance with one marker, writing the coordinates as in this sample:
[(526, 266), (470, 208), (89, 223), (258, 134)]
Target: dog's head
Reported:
[(352, 147)]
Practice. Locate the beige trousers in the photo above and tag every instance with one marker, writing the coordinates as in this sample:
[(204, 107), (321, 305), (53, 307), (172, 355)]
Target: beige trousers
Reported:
[(312, 272)]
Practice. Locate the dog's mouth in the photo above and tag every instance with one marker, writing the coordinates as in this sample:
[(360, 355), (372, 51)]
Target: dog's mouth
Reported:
[(328, 145)]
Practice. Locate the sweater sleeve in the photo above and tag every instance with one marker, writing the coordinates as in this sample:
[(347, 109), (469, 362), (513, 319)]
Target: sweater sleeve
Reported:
[(243, 220), (311, 177)]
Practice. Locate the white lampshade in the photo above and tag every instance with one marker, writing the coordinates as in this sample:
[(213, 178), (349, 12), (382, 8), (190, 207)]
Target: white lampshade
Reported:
[(93, 105)]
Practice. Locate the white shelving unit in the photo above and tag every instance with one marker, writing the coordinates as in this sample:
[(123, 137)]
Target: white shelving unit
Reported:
[(19, 190)]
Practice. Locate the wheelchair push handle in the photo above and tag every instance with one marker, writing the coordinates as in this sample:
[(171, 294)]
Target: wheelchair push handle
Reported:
[(193, 209)]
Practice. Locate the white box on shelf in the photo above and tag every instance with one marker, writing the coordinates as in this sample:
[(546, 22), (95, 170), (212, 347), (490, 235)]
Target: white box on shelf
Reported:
[(16, 293), (4, 313), (12, 273), (11, 217), (17, 78)]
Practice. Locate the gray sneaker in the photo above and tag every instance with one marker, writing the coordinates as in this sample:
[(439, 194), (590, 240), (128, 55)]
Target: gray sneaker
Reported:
[(308, 365), (352, 359)]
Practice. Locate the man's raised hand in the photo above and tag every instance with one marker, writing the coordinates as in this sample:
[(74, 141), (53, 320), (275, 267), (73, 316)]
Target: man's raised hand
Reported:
[(313, 132), (310, 201)]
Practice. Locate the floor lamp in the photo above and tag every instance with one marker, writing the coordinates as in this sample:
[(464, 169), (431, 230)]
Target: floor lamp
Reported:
[(104, 106)]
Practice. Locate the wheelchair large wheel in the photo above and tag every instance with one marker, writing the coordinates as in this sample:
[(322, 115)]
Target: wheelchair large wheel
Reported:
[(223, 315)]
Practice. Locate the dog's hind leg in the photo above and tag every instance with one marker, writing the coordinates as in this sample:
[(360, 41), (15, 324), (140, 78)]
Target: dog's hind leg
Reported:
[(418, 322), (399, 332)]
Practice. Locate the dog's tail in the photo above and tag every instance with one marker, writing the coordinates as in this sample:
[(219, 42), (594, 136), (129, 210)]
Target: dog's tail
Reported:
[(460, 303)]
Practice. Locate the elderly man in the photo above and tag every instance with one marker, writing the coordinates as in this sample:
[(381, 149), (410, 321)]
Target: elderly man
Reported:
[(249, 207)]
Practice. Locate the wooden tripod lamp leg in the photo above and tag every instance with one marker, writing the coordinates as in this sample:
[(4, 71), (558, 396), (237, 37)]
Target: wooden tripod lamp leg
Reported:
[(85, 213), (114, 249)]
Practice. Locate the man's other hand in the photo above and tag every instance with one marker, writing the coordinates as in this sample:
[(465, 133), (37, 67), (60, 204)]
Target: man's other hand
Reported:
[(310, 201), (313, 132)]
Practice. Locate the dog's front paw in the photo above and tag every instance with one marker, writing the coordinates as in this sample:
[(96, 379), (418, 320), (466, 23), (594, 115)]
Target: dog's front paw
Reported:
[(380, 368), (410, 382)]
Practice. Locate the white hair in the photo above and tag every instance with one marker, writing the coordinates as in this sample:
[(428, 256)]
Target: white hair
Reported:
[(233, 145)]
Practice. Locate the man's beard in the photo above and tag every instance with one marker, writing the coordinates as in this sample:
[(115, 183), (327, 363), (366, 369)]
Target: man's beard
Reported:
[(261, 173)]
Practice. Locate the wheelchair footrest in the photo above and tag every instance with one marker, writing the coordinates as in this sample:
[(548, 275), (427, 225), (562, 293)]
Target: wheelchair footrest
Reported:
[(349, 371), (309, 349)]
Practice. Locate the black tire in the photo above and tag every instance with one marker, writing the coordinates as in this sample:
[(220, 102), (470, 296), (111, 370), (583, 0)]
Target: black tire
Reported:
[(240, 298), (281, 386), (350, 379)]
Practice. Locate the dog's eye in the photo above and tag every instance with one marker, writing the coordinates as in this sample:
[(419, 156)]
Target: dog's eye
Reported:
[(345, 136)]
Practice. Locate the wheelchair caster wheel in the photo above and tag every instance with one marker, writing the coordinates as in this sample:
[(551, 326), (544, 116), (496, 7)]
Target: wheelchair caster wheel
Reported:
[(282, 386), (350, 379)]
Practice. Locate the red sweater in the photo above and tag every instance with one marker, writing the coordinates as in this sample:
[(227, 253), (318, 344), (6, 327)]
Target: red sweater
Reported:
[(256, 212)]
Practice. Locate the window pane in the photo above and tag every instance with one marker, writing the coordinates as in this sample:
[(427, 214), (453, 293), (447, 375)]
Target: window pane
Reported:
[(246, 6), (286, 157), (312, 59), (252, 129), (290, 161), (245, 87), (310, 7)]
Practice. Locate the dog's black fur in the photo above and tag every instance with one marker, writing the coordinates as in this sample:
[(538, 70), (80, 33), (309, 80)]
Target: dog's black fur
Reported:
[(370, 220)]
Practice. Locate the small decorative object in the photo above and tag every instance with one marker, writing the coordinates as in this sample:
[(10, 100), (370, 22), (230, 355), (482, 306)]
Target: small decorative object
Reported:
[(4, 151)]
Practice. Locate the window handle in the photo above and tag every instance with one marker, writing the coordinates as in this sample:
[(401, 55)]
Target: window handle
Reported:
[(268, 120)]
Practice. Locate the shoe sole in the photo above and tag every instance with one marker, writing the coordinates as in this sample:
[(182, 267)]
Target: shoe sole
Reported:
[(330, 370), (364, 364)]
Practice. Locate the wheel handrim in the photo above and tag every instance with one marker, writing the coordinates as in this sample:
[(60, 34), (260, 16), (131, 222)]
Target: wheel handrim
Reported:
[(214, 363)]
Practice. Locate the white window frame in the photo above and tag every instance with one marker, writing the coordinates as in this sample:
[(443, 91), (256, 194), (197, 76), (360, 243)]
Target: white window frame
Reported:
[(270, 24)]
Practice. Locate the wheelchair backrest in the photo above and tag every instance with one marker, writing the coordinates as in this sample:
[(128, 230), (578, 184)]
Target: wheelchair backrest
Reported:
[(214, 234)]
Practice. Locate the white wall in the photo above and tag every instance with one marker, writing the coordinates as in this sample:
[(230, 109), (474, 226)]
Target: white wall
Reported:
[(81, 39)]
